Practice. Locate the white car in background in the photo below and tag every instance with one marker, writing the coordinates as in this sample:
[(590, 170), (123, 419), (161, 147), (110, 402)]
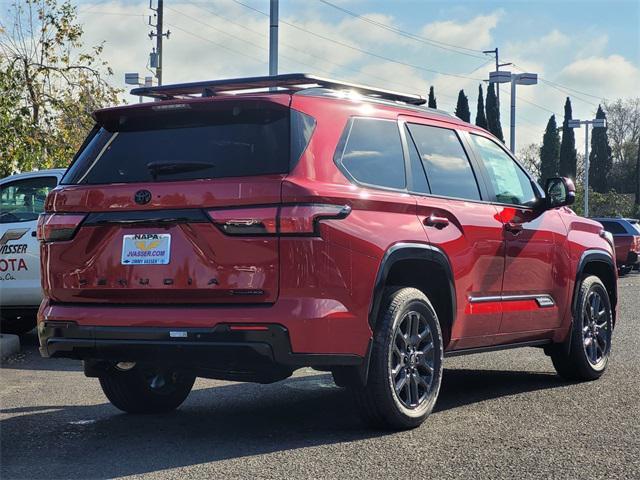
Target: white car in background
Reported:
[(22, 199)]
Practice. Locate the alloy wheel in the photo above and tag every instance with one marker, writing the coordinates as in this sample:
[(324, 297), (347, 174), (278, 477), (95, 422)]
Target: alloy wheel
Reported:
[(412, 360), (596, 333)]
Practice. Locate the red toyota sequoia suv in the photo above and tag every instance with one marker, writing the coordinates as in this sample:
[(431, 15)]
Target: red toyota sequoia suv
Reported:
[(242, 229)]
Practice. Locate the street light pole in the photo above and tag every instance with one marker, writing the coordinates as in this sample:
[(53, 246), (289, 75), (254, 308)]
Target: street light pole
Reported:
[(516, 79), (595, 123), (586, 169), (273, 38), (512, 126)]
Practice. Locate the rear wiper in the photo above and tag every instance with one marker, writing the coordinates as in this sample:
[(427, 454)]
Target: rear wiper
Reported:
[(167, 168)]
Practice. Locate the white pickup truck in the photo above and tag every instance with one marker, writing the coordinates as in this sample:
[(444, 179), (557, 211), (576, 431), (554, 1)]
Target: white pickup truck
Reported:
[(22, 199)]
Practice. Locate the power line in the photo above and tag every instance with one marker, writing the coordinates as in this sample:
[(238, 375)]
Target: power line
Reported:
[(358, 49), (293, 60), (237, 52), (429, 41), (564, 89)]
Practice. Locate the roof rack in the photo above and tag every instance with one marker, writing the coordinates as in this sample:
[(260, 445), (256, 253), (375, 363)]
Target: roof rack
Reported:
[(287, 82)]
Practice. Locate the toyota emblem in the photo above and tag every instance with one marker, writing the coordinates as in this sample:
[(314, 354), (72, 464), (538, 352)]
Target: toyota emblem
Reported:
[(142, 197)]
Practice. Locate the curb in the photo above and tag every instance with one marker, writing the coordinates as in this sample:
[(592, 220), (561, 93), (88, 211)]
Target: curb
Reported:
[(9, 345)]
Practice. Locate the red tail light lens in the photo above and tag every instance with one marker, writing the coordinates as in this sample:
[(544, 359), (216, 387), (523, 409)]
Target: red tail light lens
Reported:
[(303, 219), (246, 221), (273, 220), (55, 227)]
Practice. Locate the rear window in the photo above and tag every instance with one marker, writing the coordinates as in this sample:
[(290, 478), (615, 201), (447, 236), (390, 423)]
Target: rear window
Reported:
[(614, 227), (169, 142)]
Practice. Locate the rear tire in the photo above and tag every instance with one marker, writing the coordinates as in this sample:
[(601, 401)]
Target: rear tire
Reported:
[(590, 347), (146, 390), (406, 363), (625, 270)]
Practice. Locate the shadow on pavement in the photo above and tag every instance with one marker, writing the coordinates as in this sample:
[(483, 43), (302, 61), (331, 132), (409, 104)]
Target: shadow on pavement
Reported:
[(29, 358), (225, 422)]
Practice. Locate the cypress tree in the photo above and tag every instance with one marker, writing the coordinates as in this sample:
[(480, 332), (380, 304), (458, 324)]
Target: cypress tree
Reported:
[(462, 108), (568, 155), (550, 151), (481, 119), (432, 98), (493, 113), (600, 161)]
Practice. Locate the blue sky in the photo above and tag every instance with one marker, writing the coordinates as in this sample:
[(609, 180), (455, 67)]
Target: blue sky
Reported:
[(591, 47)]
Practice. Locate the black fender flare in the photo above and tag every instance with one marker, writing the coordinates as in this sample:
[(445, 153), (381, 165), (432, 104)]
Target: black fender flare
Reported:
[(396, 253), (587, 257), (409, 251)]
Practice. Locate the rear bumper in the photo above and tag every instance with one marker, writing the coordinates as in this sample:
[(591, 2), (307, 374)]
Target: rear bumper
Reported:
[(218, 352), (632, 258), (313, 325)]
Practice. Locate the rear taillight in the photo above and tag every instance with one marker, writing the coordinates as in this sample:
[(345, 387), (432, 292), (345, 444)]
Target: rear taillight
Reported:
[(299, 219), (636, 243), (53, 227)]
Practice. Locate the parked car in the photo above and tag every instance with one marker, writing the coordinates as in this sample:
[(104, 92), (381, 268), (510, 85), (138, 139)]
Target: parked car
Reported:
[(321, 224), (626, 235), (22, 199)]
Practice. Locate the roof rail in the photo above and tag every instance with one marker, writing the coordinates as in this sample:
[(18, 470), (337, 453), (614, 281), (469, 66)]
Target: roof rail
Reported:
[(287, 82)]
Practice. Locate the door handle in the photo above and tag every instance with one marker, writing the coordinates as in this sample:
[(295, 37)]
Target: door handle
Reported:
[(515, 228), (435, 221)]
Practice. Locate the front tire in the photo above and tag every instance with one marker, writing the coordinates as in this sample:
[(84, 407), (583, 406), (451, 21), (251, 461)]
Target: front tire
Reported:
[(406, 363), (590, 347), (146, 389)]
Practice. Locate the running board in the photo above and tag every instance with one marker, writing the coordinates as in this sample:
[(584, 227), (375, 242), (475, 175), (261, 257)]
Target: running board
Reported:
[(495, 348)]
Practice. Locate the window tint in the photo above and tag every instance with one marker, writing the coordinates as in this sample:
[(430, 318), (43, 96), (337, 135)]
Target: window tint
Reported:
[(614, 227), (23, 200), (510, 184), (448, 169), (418, 175), (373, 153), (228, 139)]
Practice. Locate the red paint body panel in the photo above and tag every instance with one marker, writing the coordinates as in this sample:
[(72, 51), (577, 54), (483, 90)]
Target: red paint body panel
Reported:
[(320, 287), (626, 247)]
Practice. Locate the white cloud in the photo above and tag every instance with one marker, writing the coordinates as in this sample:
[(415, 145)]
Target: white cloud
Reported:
[(612, 76), (476, 33)]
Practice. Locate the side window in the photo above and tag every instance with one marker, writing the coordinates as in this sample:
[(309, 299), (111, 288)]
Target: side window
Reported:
[(449, 172), (372, 153), (510, 184), (23, 200), (418, 175)]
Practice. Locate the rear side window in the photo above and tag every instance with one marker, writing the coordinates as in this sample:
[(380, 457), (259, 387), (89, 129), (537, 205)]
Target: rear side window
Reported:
[(448, 169), (372, 153), (192, 141), (23, 200), (614, 228)]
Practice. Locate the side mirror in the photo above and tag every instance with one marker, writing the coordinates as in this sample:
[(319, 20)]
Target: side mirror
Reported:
[(560, 191)]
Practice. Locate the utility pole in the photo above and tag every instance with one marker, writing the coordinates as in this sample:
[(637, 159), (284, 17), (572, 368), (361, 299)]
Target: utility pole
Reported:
[(156, 56), (273, 38), (498, 65)]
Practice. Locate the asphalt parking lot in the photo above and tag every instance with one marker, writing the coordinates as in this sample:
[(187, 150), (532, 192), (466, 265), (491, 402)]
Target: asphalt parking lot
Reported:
[(500, 415)]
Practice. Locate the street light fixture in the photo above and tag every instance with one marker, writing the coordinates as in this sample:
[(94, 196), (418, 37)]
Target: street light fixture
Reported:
[(134, 79), (595, 123), (515, 79)]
